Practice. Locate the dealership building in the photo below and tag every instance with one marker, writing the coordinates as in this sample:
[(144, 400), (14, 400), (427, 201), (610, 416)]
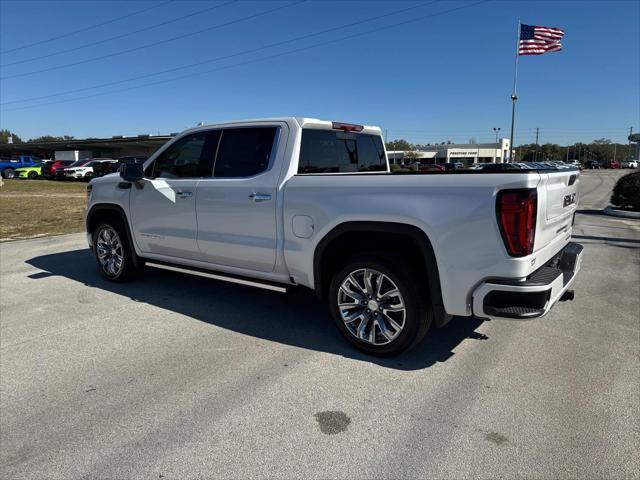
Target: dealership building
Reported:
[(466, 154)]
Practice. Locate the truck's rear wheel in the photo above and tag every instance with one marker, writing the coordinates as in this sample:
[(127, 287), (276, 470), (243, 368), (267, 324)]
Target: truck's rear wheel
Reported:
[(113, 253), (380, 305), (8, 173)]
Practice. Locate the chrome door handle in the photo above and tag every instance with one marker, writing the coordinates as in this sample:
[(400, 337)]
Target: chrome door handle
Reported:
[(183, 194), (260, 197)]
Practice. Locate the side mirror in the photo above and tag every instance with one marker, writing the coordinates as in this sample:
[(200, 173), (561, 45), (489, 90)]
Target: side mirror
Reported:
[(131, 172)]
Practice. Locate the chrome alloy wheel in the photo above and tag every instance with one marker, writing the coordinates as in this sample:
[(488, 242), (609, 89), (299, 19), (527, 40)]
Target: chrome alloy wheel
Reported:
[(371, 306), (109, 251)]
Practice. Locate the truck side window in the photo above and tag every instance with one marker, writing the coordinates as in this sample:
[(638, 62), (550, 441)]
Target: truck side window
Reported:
[(189, 157), (329, 151), (244, 152)]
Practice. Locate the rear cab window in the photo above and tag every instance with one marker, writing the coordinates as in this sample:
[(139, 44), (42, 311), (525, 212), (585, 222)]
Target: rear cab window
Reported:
[(331, 151), (244, 152)]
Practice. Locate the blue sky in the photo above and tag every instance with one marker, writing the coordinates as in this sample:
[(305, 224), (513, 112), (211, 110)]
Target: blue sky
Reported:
[(446, 77)]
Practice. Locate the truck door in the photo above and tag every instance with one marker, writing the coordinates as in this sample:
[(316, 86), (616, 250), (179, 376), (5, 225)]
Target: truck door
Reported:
[(163, 211), (236, 208)]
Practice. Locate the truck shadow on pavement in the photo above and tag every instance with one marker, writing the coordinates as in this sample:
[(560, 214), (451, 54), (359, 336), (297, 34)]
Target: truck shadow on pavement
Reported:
[(297, 319)]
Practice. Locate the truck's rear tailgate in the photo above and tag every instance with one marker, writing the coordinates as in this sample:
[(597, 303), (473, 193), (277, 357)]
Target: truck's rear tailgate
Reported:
[(557, 202)]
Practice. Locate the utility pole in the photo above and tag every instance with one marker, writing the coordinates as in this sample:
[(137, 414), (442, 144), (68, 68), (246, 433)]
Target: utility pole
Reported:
[(629, 152), (535, 157), (567, 160)]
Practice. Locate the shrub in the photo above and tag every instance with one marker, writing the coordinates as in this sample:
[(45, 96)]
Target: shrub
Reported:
[(626, 193)]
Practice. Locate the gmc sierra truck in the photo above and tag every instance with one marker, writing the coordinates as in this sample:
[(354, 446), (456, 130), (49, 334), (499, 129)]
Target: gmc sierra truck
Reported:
[(286, 202)]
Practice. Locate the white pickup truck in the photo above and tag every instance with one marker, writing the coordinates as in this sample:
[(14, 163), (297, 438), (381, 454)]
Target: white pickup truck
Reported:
[(288, 202)]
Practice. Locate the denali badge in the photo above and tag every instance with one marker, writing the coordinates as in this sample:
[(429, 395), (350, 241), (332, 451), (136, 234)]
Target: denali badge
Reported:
[(569, 199)]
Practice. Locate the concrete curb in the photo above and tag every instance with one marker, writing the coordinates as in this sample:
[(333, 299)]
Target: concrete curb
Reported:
[(614, 212)]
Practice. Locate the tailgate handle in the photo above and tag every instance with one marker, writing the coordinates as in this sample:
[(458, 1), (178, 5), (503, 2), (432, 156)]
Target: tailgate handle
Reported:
[(572, 179)]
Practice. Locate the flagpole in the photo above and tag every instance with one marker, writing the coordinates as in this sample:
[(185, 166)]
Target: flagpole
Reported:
[(514, 96)]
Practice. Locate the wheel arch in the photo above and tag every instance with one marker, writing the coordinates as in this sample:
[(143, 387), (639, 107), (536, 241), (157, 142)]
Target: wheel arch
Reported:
[(337, 244), (101, 211)]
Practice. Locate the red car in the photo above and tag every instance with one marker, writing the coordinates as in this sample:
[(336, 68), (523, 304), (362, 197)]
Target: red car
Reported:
[(612, 164), (49, 168), (430, 167)]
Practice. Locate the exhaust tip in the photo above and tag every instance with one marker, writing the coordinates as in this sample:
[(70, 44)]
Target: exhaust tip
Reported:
[(568, 295)]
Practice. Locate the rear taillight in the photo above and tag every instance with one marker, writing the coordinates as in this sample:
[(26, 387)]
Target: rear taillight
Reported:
[(516, 212)]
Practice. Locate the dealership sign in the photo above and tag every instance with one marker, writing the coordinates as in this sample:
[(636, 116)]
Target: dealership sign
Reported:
[(462, 153)]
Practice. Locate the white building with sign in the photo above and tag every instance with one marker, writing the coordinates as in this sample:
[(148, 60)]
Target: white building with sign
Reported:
[(466, 154)]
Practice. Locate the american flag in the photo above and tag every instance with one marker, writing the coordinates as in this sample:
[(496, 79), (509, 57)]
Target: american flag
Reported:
[(539, 40)]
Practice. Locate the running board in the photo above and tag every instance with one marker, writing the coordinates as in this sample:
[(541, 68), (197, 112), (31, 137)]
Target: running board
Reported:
[(216, 276)]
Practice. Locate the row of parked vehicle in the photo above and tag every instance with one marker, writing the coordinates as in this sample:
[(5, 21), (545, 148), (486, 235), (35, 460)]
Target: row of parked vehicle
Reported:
[(549, 165), (32, 167), (594, 164), (499, 166)]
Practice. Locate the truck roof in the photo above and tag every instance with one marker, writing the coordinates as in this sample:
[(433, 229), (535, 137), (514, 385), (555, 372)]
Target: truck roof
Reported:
[(304, 122)]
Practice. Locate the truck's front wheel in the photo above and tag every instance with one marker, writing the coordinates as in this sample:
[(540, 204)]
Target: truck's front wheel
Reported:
[(380, 305), (113, 252)]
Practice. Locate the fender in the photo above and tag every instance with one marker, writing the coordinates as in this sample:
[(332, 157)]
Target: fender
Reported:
[(119, 211), (416, 234)]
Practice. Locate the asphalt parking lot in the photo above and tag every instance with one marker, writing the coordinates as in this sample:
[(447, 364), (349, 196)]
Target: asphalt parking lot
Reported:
[(176, 377)]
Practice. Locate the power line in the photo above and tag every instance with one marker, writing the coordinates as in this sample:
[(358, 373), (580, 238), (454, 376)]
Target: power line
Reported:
[(224, 57), (179, 37), (116, 37), (347, 37), (113, 20)]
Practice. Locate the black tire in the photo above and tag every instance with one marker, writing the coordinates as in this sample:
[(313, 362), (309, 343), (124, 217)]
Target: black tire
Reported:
[(8, 173), (128, 269), (32, 175), (88, 176), (414, 291)]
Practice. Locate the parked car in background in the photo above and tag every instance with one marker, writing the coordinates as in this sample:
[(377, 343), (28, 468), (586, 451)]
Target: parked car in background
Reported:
[(9, 165), (575, 163), (61, 173), (49, 168), (85, 171), (453, 165), (431, 167), (559, 164), (612, 164), (523, 165), (630, 164), (29, 172), (592, 164), (501, 166)]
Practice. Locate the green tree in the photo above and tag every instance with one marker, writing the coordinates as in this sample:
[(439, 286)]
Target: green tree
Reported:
[(401, 144), (4, 137), (49, 138)]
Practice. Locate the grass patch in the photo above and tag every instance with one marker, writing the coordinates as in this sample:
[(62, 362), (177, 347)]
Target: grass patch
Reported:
[(37, 208)]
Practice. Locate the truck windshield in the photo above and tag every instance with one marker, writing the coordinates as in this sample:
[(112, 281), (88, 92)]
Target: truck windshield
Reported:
[(330, 151)]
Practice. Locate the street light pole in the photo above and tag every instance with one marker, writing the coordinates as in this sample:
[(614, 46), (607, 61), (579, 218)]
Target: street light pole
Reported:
[(496, 130)]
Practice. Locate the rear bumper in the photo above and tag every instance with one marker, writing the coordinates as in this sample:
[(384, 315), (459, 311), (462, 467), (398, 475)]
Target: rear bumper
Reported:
[(534, 296)]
